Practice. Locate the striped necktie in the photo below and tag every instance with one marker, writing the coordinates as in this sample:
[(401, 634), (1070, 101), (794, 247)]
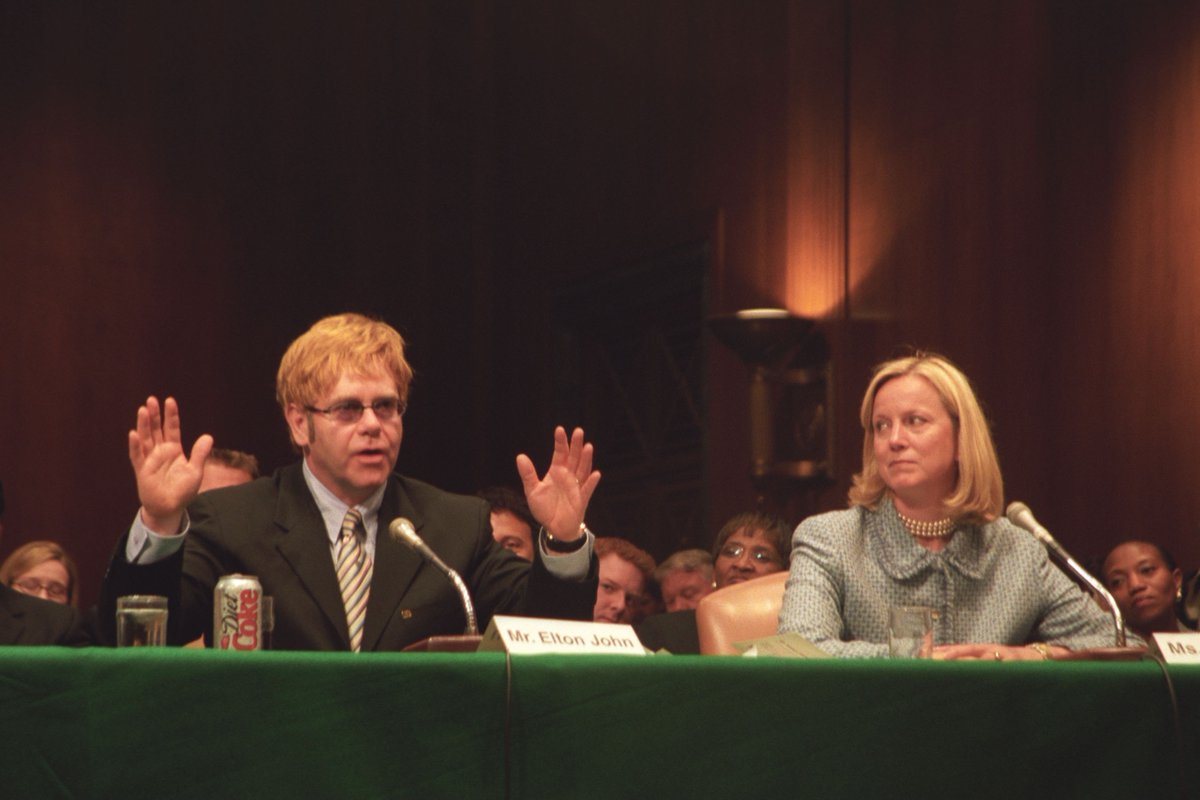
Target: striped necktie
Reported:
[(354, 575)]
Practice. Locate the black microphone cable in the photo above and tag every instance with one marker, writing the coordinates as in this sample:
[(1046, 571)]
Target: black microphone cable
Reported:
[(507, 724), (1176, 718)]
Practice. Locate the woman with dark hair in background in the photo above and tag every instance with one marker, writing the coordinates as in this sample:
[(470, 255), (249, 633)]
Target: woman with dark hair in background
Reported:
[(749, 545), (1147, 585)]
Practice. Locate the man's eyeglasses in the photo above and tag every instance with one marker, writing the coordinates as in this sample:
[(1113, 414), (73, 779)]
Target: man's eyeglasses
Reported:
[(53, 590), (760, 555), (349, 411)]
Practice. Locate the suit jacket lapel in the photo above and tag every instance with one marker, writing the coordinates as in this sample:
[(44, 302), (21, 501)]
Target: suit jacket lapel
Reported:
[(304, 544), (395, 564)]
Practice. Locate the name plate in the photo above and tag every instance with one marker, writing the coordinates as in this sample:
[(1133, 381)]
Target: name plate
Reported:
[(1178, 648), (530, 635)]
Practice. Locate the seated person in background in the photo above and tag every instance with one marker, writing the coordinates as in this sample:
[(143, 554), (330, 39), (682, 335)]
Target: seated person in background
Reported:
[(684, 578), (624, 570), (1189, 606), (648, 603), (224, 468), (228, 468), (1147, 586), (29, 620), (749, 545), (512, 524), (925, 529), (42, 569), (316, 532)]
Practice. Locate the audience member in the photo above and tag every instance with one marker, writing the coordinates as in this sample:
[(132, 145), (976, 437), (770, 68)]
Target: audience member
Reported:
[(1189, 608), (925, 528), (42, 569), (227, 468), (343, 387), (1147, 586), (224, 468), (684, 578), (512, 524), (29, 620), (750, 545), (648, 603), (624, 569)]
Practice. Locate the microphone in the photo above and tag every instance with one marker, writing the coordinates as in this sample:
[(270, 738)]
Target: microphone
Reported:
[(1020, 515), (402, 530)]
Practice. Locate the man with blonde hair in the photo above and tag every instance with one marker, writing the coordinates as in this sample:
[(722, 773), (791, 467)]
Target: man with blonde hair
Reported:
[(316, 533)]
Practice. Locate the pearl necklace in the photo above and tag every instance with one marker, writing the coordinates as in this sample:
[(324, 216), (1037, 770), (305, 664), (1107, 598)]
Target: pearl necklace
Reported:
[(935, 529)]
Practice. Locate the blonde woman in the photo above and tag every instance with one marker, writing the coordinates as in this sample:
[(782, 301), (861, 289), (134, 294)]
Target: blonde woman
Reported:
[(924, 528)]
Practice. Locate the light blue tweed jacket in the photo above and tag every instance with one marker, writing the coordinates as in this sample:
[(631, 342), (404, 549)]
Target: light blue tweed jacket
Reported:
[(992, 583)]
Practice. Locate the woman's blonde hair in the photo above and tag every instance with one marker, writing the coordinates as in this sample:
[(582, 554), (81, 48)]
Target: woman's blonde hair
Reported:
[(979, 490), (28, 556)]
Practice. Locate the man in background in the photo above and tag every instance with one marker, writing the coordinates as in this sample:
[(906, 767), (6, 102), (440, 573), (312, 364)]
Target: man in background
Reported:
[(684, 578), (228, 468), (624, 570), (512, 523)]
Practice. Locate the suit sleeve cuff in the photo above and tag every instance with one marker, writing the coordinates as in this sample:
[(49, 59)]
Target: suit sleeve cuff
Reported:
[(144, 546), (568, 566)]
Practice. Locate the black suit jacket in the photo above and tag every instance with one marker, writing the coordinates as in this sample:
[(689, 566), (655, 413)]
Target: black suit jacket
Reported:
[(32, 620), (271, 528)]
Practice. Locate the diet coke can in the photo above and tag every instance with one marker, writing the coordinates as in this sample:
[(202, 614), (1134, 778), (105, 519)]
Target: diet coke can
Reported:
[(237, 613)]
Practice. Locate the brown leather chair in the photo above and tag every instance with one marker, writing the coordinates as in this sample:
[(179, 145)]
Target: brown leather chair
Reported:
[(747, 610)]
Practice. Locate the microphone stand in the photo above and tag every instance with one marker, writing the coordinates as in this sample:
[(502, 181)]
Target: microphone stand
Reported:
[(1020, 515), (403, 530)]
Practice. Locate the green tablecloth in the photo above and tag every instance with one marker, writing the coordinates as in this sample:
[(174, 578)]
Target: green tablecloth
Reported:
[(171, 723)]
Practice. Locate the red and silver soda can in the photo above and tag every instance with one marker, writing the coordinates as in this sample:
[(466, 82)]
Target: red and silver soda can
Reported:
[(237, 613)]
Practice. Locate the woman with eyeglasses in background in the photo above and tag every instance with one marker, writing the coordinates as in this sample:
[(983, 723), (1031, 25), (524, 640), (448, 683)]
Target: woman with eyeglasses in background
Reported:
[(42, 569), (39, 591), (750, 545)]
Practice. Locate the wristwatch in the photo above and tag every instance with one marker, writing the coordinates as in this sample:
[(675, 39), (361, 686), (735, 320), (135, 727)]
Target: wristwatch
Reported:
[(560, 546)]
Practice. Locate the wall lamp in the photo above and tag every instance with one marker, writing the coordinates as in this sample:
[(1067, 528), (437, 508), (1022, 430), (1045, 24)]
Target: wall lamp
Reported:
[(791, 433)]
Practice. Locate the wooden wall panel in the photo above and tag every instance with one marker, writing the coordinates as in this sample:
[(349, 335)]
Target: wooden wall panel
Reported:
[(948, 197), (1126, 292), (1022, 199), (185, 190)]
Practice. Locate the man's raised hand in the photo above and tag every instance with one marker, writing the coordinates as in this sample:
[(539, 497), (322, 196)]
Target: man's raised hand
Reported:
[(167, 479)]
